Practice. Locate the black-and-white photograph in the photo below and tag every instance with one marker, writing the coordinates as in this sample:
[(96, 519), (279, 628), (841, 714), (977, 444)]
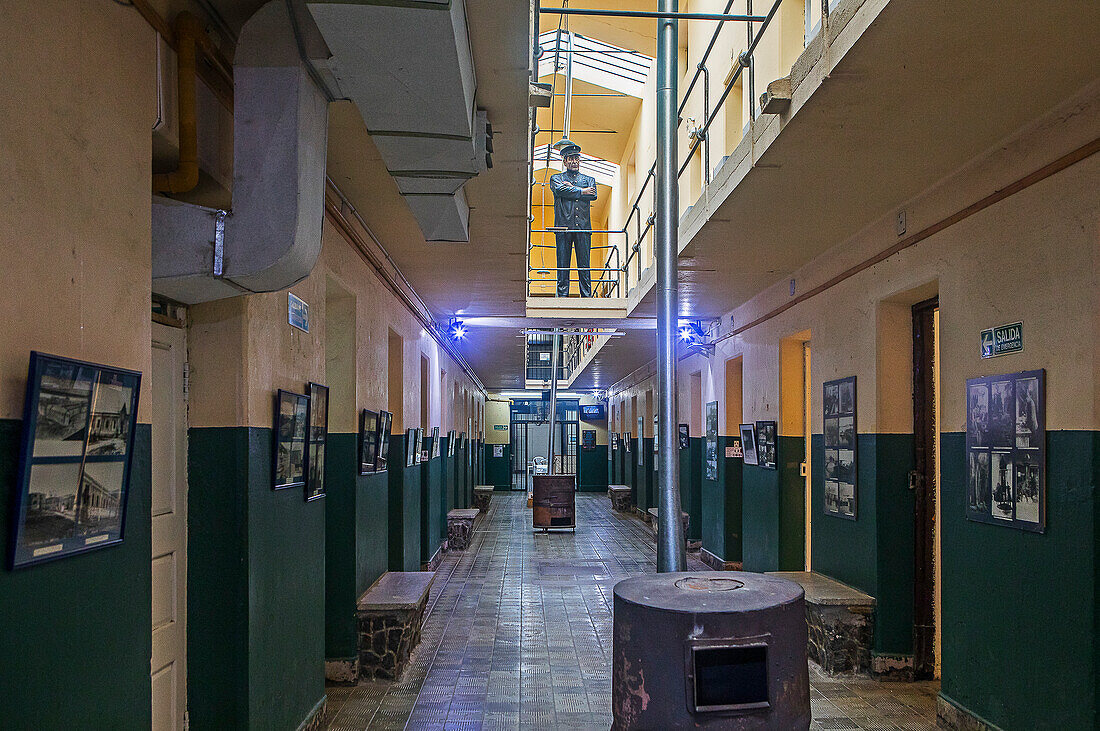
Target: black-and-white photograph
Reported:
[(627, 440), (1003, 501), (410, 447), (77, 442), (977, 414), (1002, 420), (832, 399), (710, 456), (290, 430), (845, 469), (1027, 413), (385, 423), (685, 439), (766, 444), (1027, 489), (847, 396), (832, 464), (832, 497), (978, 488), (846, 499), (418, 449), (847, 433), (368, 441), (748, 443), (452, 437), (317, 416), (64, 399), (435, 442), (1006, 450), (832, 432)]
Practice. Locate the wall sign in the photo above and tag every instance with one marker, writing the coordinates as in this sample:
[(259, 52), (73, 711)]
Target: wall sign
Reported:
[(840, 447), (1003, 340), (498, 450), (297, 312), (733, 451), (588, 439), (500, 427), (1006, 450)]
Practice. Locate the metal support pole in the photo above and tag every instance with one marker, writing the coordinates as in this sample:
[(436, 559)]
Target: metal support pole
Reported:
[(568, 81), (670, 535), (553, 402)]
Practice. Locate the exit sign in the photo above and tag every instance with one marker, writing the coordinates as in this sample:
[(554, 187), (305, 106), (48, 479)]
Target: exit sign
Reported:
[(1003, 340)]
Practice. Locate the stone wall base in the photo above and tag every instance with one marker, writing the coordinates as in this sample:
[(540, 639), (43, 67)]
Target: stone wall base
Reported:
[(716, 563), (840, 637), (315, 721), (386, 639), (950, 715), (892, 668), (342, 672)]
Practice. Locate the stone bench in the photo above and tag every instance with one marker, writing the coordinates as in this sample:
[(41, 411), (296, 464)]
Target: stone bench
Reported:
[(621, 499), (483, 495), (841, 622), (460, 527), (684, 517), (390, 616)]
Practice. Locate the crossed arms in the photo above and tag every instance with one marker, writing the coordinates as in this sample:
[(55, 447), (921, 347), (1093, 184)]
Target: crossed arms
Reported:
[(564, 189)]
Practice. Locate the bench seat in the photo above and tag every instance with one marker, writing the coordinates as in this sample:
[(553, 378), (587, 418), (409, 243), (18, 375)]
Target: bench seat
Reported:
[(483, 496), (460, 527), (840, 619), (621, 498), (390, 617), (684, 517)]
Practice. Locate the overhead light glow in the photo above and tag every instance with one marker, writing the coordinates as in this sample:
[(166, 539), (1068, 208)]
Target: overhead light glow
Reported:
[(457, 330)]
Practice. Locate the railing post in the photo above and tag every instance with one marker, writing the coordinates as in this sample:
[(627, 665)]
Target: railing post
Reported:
[(670, 535)]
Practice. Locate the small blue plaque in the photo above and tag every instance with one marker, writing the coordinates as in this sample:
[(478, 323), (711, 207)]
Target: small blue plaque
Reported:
[(297, 312), (1003, 340)]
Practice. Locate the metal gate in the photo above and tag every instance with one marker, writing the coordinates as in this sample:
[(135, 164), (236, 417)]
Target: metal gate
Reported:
[(528, 443)]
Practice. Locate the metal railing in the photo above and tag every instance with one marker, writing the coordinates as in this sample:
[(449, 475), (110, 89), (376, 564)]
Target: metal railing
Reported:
[(605, 279), (637, 228), (574, 347)]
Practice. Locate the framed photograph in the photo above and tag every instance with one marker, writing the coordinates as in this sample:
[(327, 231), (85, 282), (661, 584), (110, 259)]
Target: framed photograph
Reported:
[(588, 440), (291, 419), (385, 421), (317, 417), (1006, 450), (435, 442), (418, 450), (451, 437), (368, 441), (641, 441), (79, 420), (627, 440), (839, 437), (710, 455), (614, 441), (748, 443), (765, 444), (685, 436), (410, 447)]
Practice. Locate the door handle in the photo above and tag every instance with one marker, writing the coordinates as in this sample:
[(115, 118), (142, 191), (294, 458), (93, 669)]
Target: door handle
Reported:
[(916, 479)]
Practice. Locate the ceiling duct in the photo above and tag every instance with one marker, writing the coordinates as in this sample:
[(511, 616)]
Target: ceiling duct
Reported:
[(409, 69), (272, 237)]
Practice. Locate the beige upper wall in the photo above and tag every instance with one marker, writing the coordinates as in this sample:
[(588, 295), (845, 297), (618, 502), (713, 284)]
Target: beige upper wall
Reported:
[(242, 350), (1033, 257), (74, 224)]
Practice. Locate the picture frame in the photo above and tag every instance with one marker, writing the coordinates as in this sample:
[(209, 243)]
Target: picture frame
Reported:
[(385, 422), (317, 419), (418, 448), (410, 447), (641, 441), (748, 443), (588, 440), (368, 441), (1006, 450), (627, 440), (452, 436), (839, 438), (685, 436), (766, 444), (75, 460), (710, 454), (291, 420), (435, 442)]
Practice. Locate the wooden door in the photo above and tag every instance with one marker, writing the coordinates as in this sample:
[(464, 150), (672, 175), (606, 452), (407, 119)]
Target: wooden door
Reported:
[(168, 664), (923, 483)]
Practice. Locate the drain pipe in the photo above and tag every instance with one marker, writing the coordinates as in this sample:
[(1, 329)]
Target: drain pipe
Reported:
[(670, 535), (186, 176), (554, 360)]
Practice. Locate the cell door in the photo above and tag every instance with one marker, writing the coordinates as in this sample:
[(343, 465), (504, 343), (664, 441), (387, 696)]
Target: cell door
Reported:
[(518, 430), (168, 664), (924, 484)]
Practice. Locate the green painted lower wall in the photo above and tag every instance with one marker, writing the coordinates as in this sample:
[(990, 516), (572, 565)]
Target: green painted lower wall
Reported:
[(404, 509), (1020, 643), (74, 633), (431, 500), (773, 512), (646, 475), (593, 475), (875, 552), (790, 452), (256, 587), (356, 540), (719, 514), (498, 470)]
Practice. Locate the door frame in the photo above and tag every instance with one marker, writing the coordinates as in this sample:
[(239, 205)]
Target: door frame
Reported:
[(923, 481)]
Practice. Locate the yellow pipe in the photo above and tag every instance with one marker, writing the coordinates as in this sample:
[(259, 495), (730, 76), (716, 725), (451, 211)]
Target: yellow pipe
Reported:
[(186, 176)]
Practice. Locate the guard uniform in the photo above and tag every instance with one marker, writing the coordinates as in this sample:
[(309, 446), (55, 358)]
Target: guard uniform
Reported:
[(572, 210)]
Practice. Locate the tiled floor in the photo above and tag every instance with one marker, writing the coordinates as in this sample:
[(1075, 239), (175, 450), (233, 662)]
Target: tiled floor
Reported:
[(518, 635)]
